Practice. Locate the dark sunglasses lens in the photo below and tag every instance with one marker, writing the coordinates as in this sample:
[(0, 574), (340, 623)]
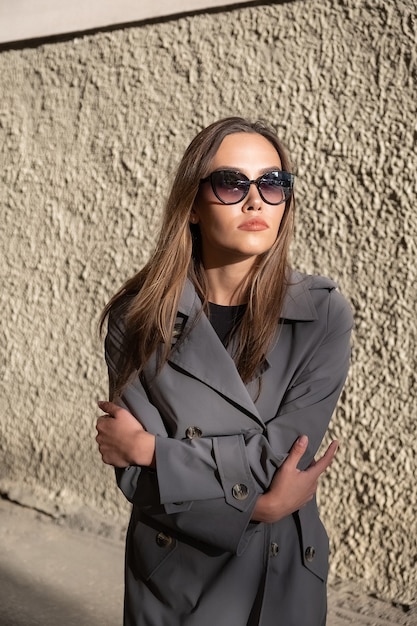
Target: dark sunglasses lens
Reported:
[(276, 187), (229, 186)]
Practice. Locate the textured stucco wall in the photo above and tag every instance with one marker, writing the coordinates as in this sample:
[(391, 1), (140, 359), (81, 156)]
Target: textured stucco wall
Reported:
[(89, 131)]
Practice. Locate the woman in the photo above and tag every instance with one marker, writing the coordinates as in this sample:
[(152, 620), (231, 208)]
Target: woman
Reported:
[(225, 367)]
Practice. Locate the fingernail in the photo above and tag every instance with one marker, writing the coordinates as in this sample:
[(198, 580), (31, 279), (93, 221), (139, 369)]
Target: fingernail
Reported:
[(303, 440), (100, 403)]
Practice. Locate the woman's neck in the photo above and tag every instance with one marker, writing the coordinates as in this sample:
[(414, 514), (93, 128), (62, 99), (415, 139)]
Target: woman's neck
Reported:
[(226, 284)]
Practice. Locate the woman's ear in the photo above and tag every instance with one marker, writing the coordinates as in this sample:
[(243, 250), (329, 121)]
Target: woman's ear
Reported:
[(193, 216)]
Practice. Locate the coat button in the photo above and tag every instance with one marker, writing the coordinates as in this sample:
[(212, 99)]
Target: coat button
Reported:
[(274, 549), (240, 491), (193, 432), (310, 553), (163, 540)]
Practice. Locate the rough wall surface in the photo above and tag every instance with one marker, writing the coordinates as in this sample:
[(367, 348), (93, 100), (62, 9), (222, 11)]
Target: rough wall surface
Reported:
[(90, 132)]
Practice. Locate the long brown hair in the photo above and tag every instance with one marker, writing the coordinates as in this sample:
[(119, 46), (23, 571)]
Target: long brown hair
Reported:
[(151, 309)]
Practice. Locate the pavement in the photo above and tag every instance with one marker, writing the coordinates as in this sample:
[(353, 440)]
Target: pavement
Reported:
[(55, 575)]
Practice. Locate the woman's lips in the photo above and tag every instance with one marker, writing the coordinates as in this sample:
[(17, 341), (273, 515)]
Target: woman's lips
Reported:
[(255, 224)]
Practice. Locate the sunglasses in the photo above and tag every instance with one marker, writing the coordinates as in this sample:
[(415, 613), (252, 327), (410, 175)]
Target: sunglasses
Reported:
[(231, 187)]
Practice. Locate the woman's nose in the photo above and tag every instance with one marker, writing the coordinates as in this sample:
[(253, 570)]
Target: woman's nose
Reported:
[(253, 201)]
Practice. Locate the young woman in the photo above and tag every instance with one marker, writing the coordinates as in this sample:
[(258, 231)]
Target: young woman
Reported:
[(225, 367)]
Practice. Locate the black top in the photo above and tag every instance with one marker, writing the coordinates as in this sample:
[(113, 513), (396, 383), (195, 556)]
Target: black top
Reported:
[(225, 318)]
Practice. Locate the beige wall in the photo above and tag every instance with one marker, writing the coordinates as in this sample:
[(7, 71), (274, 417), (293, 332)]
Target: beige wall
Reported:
[(89, 131)]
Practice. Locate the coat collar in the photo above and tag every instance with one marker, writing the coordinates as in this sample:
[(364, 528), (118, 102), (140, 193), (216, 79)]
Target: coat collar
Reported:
[(298, 304)]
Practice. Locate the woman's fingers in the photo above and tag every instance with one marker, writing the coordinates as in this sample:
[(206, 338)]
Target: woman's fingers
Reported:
[(108, 407), (121, 438), (118, 413), (320, 466), (297, 451), (292, 488)]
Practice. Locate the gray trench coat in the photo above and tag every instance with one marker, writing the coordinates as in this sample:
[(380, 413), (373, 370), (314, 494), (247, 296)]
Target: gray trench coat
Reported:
[(193, 555)]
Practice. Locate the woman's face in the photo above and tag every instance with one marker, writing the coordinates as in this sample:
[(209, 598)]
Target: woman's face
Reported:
[(231, 233)]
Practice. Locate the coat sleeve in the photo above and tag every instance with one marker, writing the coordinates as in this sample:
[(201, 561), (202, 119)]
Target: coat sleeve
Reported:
[(311, 399), (134, 399)]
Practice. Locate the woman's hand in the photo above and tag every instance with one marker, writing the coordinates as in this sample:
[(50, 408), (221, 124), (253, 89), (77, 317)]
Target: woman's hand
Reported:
[(122, 440), (292, 488)]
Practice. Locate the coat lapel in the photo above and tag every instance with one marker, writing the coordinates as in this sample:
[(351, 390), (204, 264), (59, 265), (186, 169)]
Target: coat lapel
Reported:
[(202, 355)]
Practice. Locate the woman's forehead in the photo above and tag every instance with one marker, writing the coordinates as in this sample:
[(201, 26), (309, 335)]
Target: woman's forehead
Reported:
[(246, 151)]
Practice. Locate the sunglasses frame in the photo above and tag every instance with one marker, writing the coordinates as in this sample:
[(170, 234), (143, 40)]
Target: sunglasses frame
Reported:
[(288, 185)]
